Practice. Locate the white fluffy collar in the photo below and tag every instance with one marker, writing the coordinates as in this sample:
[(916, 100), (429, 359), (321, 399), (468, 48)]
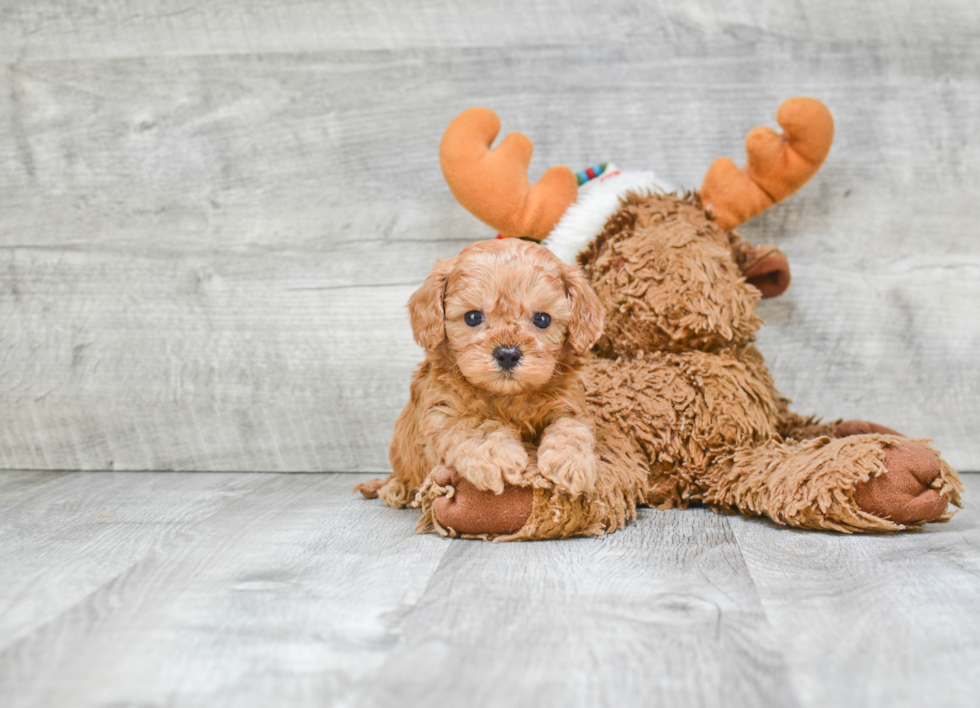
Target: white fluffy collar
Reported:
[(598, 199)]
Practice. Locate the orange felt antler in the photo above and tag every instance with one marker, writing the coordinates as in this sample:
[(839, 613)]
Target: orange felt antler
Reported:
[(493, 184), (777, 166)]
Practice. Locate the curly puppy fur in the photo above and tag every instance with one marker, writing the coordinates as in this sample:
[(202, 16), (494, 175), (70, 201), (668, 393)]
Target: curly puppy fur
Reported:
[(469, 412)]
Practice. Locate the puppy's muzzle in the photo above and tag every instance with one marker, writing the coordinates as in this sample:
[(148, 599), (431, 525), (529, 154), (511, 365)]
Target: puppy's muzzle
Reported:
[(507, 357)]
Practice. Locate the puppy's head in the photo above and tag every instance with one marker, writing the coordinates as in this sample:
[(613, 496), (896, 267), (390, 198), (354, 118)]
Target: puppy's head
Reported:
[(507, 312)]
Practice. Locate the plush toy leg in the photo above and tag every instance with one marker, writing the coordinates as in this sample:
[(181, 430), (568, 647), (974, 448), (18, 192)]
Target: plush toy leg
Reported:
[(864, 482), (860, 427), (796, 427), (459, 508), (453, 507)]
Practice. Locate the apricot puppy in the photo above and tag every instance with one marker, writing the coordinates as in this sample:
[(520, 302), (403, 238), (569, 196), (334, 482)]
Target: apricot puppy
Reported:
[(498, 399)]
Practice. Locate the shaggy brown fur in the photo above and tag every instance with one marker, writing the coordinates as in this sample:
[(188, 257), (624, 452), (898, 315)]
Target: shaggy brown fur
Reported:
[(468, 413), (686, 411), (677, 289)]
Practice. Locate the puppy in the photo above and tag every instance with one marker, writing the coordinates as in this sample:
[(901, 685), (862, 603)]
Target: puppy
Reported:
[(503, 325)]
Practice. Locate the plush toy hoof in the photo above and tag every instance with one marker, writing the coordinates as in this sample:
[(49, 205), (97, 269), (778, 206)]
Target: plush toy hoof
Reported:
[(770, 274), (904, 494), (862, 427), (472, 511)]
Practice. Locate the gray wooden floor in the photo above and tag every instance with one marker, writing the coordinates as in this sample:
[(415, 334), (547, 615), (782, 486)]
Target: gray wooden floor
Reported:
[(238, 589)]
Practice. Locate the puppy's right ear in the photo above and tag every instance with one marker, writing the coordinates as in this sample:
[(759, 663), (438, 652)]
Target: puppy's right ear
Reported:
[(585, 325), (425, 307)]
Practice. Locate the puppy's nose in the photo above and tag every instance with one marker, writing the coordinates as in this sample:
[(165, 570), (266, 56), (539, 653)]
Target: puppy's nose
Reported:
[(507, 357)]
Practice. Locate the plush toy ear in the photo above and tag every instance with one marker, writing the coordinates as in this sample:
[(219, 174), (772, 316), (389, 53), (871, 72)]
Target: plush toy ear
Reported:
[(766, 268), (585, 325), (425, 307)]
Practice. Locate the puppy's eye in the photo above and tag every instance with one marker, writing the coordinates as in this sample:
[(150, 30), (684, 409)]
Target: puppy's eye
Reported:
[(473, 318), (541, 320)]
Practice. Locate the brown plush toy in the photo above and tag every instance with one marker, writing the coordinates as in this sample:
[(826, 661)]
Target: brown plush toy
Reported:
[(684, 408)]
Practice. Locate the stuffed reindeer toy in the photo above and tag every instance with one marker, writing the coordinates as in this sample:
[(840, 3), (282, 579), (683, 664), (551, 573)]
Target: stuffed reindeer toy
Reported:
[(647, 392)]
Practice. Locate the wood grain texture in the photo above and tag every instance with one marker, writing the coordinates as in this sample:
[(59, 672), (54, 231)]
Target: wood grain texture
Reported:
[(287, 593), (662, 614), (57, 29), (208, 589), (874, 620), (65, 535), (211, 218)]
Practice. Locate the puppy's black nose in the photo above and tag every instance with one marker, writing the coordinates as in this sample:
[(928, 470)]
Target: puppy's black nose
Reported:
[(507, 357)]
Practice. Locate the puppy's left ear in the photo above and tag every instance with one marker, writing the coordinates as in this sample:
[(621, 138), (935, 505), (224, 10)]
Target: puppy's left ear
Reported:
[(425, 307), (585, 325)]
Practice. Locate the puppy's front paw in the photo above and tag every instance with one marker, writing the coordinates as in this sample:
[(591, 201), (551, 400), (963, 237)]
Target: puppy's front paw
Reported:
[(566, 456), (491, 461), (568, 467)]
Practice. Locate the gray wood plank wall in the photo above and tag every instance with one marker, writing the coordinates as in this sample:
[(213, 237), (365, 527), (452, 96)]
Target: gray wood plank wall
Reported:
[(211, 217)]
